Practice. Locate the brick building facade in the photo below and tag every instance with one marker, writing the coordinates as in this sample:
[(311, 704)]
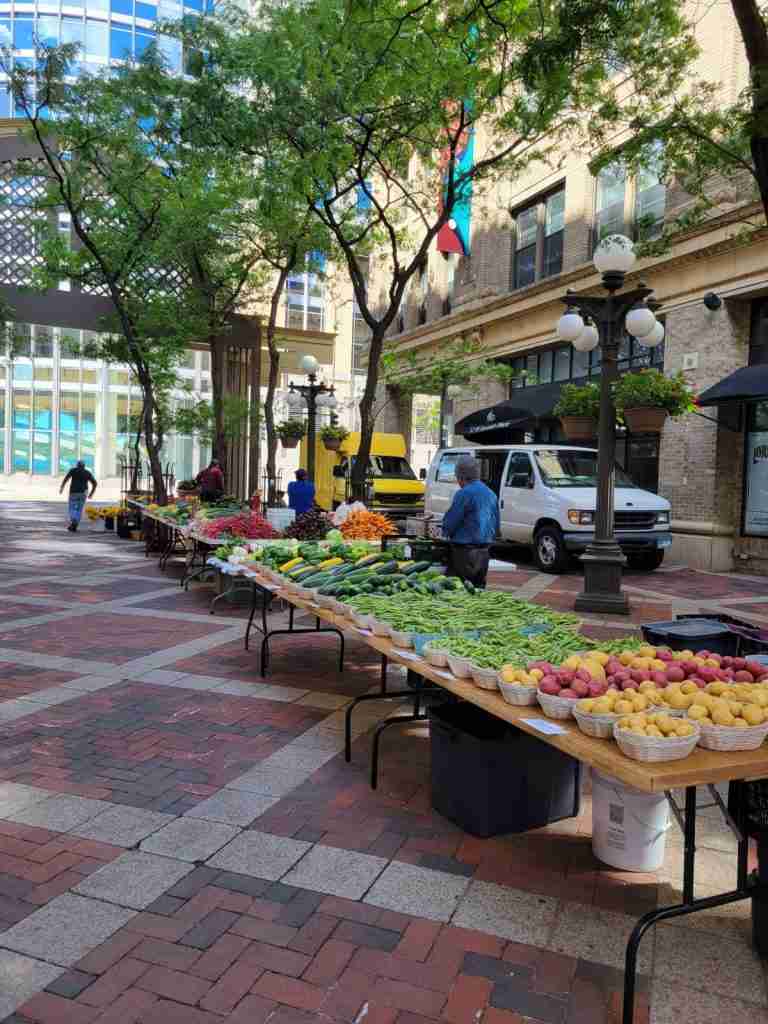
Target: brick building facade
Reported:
[(532, 240)]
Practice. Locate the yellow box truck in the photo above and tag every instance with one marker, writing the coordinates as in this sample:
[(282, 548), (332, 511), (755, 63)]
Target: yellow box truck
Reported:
[(393, 487)]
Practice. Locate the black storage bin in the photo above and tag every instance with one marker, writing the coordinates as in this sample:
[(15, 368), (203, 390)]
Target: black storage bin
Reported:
[(694, 633), (126, 524), (489, 778)]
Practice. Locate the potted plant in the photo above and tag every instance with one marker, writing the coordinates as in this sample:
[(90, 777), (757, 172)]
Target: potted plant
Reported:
[(186, 487), (333, 437), (291, 432), (645, 399), (578, 410)]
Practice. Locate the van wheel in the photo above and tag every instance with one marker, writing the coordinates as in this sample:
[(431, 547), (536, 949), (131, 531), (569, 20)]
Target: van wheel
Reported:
[(549, 551), (647, 560)]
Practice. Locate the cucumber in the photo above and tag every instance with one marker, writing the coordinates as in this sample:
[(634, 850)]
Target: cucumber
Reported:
[(386, 567), (469, 587), (368, 560), (415, 568)]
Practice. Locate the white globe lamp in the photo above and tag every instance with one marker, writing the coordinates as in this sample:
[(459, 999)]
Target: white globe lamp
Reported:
[(309, 364), (294, 401), (655, 337), (570, 325), (331, 401), (640, 321), (615, 254), (587, 340)]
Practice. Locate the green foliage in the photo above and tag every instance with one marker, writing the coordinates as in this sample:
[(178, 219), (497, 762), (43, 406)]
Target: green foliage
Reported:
[(651, 389), (199, 420), (337, 433), (291, 429), (458, 364), (579, 400)]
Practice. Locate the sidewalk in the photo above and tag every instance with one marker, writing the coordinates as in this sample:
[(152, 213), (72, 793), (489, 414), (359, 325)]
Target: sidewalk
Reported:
[(181, 842)]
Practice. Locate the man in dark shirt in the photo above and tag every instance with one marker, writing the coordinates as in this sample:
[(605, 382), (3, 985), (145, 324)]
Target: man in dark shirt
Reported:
[(210, 481), (79, 478)]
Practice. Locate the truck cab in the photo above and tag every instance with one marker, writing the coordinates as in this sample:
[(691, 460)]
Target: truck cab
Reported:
[(393, 487), (547, 498)]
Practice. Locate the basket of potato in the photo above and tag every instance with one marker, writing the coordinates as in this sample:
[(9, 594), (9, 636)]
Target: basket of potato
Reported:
[(596, 716), (729, 723), (656, 737), (518, 685)]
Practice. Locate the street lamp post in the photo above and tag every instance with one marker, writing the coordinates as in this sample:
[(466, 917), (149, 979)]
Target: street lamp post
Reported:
[(602, 320), (317, 396)]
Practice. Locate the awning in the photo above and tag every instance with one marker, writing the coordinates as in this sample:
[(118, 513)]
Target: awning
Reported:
[(495, 424), (749, 384)]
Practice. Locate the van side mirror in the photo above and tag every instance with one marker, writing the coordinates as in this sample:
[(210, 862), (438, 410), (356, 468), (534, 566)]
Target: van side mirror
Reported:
[(422, 474)]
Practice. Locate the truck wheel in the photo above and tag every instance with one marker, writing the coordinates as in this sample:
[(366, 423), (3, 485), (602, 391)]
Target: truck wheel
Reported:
[(647, 560), (549, 551)]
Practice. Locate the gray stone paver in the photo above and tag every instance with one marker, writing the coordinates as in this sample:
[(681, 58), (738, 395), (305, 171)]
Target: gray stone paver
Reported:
[(123, 826), (20, 978), (60, 813), (336, 872), (15, 797), (260, 854), (67, 928), (134, 879), (189, 839), (510, 913), (410, 889), (232, 807)]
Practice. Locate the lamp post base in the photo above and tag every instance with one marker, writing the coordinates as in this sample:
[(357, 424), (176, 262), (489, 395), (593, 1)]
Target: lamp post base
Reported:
[(602, 592)]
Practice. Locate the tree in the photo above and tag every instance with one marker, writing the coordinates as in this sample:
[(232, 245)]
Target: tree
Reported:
[(379, 101), (456, 366), (96, 167)]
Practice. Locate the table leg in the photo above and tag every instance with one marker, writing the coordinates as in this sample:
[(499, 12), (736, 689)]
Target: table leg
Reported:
[(254, 596)]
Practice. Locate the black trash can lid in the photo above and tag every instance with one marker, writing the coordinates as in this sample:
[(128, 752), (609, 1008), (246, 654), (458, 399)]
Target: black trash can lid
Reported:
[(698, 628)]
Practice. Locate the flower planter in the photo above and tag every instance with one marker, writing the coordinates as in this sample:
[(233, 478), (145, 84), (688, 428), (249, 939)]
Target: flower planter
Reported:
[(332, 444), (648, 420), (290, 442), (579, 428)]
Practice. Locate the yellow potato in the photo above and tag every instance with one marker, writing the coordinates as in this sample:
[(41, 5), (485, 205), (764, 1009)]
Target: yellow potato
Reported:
[(688, 687), (603, 706), (639, 730), (594, 668), (684, 729), (639, 702), (626, 657), (753, 715), (739, 723), (536, 673), (625, 723), (653, 730), (658, 665), (586, 705), (572, 663), (722, 716), (680, 701), (705, 699), (712, 663), (623, 707), (638, 719), (646, 651), (735, 707), (717, 689), (655, 697), (698, 712), (600, 657), (646, 687)]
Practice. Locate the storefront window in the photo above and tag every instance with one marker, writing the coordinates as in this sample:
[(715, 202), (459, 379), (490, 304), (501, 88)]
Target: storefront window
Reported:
[(756, 471)]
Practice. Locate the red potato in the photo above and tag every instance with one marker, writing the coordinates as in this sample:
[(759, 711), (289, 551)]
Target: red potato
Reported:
[(551, 679), (728, 674), (596, 689), (744, 677), (738, 663), (546, 667), (612, 666), (640, 675), (701, 683), (569, 694), (583, 675), (565, 676), (664, 655), (727, 662), (755, 668), (580, 687), (708, 674), (703, 654), (676, 674), (659, 677), (629, 684), (722, 674), (550, 685), (690, 667)]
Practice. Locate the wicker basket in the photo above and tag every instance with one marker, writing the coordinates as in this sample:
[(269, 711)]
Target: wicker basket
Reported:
[(379, 628), (516, 693), (725, 737), (435, 656), (485, 678), (325, 601), (461, 667), (361, 621), (555, 707), (400, 639), (652, 748), (599, 726)]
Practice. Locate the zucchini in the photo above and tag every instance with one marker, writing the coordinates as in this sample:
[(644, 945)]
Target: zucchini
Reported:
[(368, 560), (385, 567), (415, 567), (469, 587)]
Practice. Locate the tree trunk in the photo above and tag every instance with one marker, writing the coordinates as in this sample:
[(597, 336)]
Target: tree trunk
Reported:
[(367, 421), (754, 34), (134, 485), (272, 382), (152, 437), (219, 440)]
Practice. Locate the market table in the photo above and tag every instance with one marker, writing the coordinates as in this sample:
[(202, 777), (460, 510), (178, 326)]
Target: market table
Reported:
[(701, 768)]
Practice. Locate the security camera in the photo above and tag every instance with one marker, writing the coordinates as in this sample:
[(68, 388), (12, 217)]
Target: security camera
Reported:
[(712, 301)]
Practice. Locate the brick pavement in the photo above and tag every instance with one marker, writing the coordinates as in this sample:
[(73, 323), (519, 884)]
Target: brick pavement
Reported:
[(182, 841)]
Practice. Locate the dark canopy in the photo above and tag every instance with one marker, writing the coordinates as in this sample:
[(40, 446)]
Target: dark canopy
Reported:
[(750, 383), (494, 424)]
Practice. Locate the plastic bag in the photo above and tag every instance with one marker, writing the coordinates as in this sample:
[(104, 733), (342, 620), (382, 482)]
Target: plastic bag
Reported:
[(346, 509)]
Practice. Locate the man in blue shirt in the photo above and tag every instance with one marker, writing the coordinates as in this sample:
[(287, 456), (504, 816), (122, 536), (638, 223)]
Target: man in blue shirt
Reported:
[(471, 523), (301, 493)]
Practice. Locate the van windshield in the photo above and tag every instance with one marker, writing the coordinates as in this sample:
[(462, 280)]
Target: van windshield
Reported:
[(562, 468), (393, 466)]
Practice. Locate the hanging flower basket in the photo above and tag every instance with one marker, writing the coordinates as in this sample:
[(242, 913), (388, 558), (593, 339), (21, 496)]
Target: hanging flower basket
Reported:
[(332, 444), (291, 432), (648, 420), (333, 437), (290, 442), (579, 428)]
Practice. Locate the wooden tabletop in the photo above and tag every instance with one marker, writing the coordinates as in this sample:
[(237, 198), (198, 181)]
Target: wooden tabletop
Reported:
[(698, 769)]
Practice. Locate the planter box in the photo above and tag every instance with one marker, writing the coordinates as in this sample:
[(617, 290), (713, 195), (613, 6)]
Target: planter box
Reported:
[(645, 421), (290, 442), (579, 428), (333, 444)]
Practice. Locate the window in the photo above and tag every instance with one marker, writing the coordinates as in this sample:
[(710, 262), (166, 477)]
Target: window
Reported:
[(119, 44), (147, 11), (756, 471), (305, 298), (23, 34), (520, 471), (539, 230), (631, 205), (451, 263), (72, 30), (48, 30), (143, 41), (446, 469), (361, 339), (96, 39)]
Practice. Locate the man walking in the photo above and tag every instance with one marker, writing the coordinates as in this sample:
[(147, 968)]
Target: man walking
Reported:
[(79, 478), (471, 524)]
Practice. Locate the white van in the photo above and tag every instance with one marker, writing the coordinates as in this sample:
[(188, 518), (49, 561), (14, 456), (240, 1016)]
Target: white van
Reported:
[(547, 496)]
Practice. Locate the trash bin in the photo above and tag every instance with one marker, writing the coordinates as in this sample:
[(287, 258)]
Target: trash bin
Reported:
[(693, 634), (490, 778)]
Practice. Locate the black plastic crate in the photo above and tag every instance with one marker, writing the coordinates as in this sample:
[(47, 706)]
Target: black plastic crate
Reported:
[(753, 642), (694, 633), (489, 778)]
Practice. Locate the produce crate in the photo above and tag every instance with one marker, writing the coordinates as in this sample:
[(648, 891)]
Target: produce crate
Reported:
[(489, 778), (695, 633), (127, 524)]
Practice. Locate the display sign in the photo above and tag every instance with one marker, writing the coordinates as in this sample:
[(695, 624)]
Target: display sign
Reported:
[(756, 498)]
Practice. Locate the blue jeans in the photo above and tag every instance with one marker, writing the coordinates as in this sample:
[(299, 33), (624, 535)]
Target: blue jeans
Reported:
[(76, 505)]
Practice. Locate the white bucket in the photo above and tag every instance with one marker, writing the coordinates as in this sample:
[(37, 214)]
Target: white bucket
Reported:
[(629, 828)]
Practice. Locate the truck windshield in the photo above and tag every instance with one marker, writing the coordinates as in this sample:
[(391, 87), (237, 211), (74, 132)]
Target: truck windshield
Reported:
[(393, 466), (562, 468)]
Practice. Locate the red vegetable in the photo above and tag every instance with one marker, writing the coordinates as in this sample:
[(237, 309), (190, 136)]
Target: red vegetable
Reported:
[(247, 524)]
